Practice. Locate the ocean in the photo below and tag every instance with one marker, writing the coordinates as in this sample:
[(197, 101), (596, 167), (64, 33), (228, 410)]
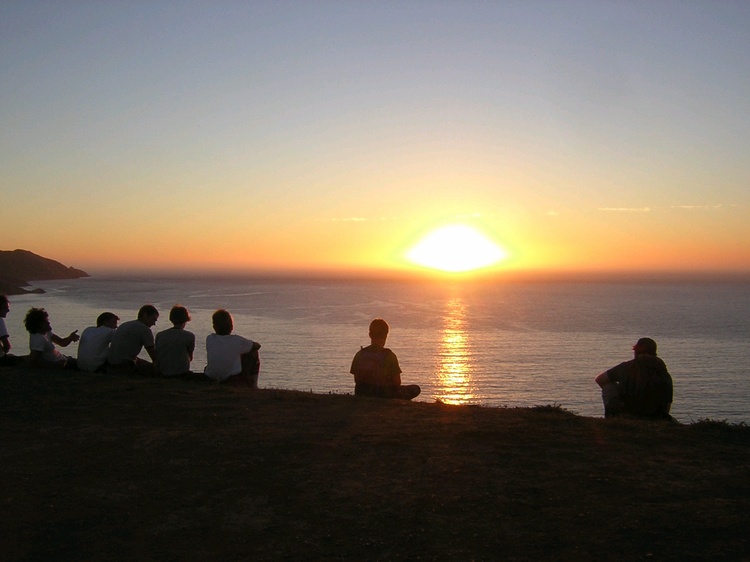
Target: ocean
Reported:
[(501, 345)]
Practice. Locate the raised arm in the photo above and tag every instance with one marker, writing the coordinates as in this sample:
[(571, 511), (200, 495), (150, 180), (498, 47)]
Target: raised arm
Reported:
[(65, 342)]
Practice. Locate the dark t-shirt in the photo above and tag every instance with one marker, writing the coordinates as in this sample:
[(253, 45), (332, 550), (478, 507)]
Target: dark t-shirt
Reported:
[(645, 386), (376, 371)]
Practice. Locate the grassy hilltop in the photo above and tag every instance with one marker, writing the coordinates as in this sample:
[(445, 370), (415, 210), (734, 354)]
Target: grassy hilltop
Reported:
[(99, 467)]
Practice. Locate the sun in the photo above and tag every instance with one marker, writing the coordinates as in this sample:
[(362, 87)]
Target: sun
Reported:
[(456, 248)]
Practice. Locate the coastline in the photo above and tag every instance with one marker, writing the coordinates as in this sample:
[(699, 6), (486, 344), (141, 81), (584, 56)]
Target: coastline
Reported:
[(117, 467)]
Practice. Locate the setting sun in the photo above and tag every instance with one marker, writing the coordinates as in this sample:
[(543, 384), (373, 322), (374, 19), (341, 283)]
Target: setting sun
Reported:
[(456, 248)]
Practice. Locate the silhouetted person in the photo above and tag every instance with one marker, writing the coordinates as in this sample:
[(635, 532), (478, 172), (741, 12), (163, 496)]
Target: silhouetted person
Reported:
[(93, 348), (175, 345), (5, 356), (376, 370), (231, 358), (42, 340), (129, 339), (640, 387)]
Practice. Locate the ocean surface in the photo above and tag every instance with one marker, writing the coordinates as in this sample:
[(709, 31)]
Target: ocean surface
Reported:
[(502, 344)]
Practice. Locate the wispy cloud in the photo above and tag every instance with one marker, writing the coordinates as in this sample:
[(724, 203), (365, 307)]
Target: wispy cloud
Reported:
[(626, 209), (354, 219), (719, 206), (552, 214)]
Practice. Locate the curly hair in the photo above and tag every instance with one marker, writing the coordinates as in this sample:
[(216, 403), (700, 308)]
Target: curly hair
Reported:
[(35, 319)]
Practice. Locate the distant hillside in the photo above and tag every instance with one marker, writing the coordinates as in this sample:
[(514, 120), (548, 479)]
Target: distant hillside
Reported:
[(18, 267)]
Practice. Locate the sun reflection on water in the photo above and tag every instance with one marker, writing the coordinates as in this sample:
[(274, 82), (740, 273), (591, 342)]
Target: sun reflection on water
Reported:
[(454, 381)]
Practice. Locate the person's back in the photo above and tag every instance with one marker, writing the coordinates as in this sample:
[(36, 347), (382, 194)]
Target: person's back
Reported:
[(130, 338), (127, 342), (646, 387), (175, 346), (231, 358), (93, 347), (641, 387), (376, 370), (5, 357)]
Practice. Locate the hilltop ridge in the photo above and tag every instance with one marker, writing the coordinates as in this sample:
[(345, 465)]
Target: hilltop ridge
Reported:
[(18, 267), (99, 467)]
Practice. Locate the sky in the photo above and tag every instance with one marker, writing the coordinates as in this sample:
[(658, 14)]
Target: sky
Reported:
[(334, 135)]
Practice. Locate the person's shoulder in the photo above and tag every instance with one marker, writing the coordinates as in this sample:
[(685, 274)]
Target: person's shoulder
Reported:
[(651, 362), (240, 338), (623, 365)]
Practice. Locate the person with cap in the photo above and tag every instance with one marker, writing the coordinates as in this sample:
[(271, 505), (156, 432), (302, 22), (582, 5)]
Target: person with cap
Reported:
[(640, 387)]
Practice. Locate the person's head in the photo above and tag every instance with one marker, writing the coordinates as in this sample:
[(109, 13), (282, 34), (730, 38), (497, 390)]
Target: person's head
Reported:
[(4, 306), (379, 331), (108, 319), (148, 314), (37, 321), (645, 346), (179, 315), (223, 323)]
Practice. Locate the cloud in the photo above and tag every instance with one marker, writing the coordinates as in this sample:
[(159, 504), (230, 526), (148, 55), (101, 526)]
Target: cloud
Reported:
[(552, 214), (626, 209), (690, 207), (354, 219)]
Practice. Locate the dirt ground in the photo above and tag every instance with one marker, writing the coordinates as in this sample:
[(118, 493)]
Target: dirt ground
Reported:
[(97, 467)]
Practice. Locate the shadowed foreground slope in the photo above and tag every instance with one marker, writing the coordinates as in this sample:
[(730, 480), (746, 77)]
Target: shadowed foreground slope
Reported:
[(96, 467)]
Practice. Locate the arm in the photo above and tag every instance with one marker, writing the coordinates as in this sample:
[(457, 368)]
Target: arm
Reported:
[(191, 348), (64, 342), (151, 350), (5, 344), (603, 379)]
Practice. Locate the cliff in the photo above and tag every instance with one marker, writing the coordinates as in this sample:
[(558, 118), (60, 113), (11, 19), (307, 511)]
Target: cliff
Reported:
[(18, 267)]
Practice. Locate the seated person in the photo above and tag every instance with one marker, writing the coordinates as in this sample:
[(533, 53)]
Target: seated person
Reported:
[(376, 370), (231, 358), (640, 387), (175, 346), (5, 356), (94, 345), (42, 351), (128, 341)]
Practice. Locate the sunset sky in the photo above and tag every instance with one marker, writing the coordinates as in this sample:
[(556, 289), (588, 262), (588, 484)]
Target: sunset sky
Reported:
[(334, 135)]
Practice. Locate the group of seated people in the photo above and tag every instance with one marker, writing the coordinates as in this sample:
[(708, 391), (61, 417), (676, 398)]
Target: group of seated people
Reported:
[(641, 387), (110, 348)]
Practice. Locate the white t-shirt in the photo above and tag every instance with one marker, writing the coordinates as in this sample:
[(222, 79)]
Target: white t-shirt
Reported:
[(3, 334), (41, 342), (223, 355), (129, 339), (93, 347)]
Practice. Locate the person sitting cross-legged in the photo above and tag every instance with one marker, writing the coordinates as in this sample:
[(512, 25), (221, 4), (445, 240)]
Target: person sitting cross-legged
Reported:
[(376, 370)]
